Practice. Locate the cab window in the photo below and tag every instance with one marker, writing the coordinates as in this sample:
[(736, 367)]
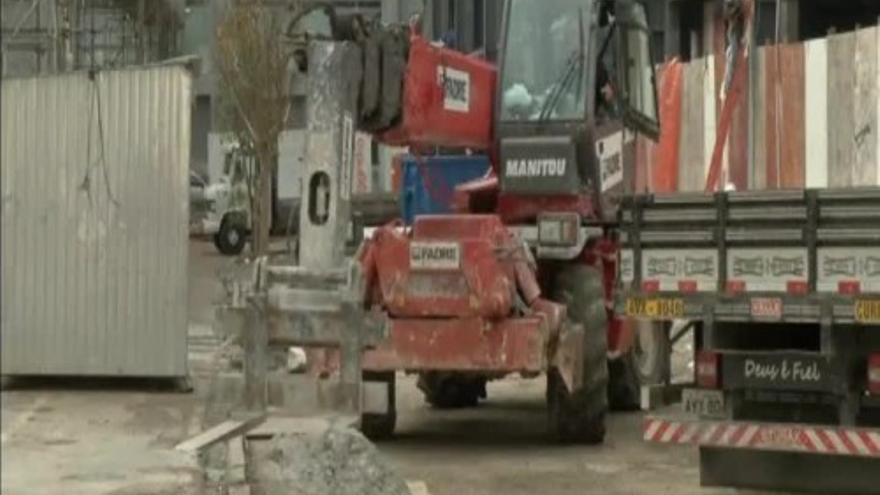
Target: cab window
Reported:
[(543, 74), (637, 69)]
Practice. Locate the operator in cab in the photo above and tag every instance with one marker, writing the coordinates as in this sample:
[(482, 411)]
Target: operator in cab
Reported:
[(547, 59)]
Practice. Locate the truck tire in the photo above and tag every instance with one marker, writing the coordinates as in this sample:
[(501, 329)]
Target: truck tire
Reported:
[(647, 363), (381, 426), (580, 416), (652, 352), (452, 390), (231, 238)]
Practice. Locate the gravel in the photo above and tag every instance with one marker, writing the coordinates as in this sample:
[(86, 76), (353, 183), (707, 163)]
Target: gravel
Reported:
[(337, 460)]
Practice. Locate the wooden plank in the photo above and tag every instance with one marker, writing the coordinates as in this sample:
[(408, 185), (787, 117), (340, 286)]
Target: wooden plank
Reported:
[(690, 144), (313, 425), (719, 55), (816, 112), (418, 488), (841, 80), (710, 123), (877, 134), (792, 118), (738, 143), (771, 123), (864, 171), (219, 433), (759, 169)]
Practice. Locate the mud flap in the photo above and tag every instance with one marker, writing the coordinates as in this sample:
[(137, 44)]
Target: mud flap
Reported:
[(569, 356)]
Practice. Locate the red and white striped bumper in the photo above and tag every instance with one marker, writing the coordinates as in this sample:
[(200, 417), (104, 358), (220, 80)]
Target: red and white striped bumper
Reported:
[(858, 442)]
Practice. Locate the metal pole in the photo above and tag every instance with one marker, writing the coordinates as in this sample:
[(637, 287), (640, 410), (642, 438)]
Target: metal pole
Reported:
[(142, 55), (40, 48), (92, 33), (256, 349), (81, 30), (351, 350), (55, 42)]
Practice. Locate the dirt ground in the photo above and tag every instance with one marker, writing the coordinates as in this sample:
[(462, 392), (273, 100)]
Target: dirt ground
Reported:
[(97, 437), (501, 447)]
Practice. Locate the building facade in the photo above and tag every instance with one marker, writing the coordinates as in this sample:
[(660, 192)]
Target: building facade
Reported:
[(49, 36), (695, 28)]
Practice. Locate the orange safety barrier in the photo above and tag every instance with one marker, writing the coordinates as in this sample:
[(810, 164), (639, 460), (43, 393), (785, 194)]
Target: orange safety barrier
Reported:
[(664, 175)]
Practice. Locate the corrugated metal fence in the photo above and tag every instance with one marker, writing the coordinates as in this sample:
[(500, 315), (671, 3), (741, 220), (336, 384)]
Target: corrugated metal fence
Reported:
[(816, 121), (94, 222)]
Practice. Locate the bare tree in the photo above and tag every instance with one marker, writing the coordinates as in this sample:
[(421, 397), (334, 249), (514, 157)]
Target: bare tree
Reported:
[(252, 62)]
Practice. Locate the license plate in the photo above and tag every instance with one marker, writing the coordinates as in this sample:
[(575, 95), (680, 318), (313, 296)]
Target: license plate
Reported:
[(655, 307), (767, 307), (703, 403), (868, 311)]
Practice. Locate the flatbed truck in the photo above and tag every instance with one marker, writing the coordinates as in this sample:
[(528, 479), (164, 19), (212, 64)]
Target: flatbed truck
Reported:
[(783, 288)]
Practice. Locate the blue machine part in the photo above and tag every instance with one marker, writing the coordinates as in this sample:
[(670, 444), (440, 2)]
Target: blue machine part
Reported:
[(428, 182)]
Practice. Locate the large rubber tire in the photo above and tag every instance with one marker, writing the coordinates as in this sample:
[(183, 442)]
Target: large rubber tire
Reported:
[(580, 416), (452, 390), (647, 363), (231, 238), (378, 427)]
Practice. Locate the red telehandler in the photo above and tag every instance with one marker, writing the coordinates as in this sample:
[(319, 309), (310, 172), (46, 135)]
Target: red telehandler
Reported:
[(521, 279), (548, 256)]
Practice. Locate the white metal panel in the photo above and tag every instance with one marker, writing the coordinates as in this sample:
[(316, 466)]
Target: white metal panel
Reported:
[(216, 155), (291, 149), (767, 269), (849, 264), (816, 112), (94, 220), (669, 267)]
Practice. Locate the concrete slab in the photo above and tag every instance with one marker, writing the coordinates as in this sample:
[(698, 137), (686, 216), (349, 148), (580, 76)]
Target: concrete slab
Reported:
[(94, 442)]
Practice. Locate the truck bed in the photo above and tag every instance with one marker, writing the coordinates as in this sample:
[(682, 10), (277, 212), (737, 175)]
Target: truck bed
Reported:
[(784, 288), (802, 256)]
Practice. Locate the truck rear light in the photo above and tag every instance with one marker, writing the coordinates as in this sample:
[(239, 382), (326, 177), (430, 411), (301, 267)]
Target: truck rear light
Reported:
[(687, 286), (874, 373), (797, 287), (708, 369), (650, 286), (849, 287), (735, 287)]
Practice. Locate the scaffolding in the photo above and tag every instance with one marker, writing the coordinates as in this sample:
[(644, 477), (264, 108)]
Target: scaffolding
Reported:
[(48, 36)]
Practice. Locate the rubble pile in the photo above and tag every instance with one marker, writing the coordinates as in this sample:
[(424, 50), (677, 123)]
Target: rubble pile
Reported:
[(337, 461)]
